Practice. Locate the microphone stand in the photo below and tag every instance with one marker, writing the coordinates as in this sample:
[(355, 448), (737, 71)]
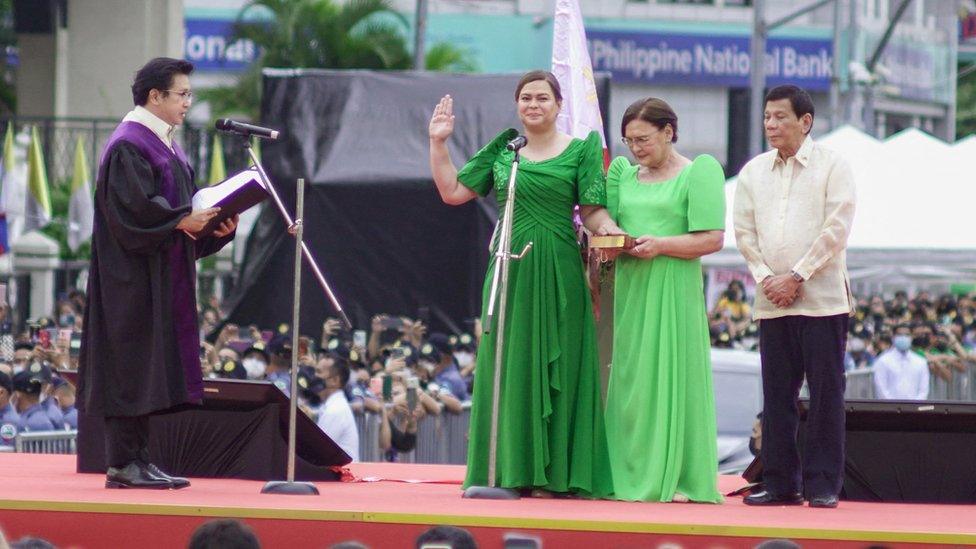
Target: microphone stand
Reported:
[(292, 230), (290, 487), (499, 290)]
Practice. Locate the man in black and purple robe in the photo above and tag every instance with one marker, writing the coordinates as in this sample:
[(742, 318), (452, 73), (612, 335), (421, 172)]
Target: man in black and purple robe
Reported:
[(140, 352)]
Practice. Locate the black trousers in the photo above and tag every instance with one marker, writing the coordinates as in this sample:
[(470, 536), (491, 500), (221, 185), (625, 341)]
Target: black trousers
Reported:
[(792, 347), (126, 440)]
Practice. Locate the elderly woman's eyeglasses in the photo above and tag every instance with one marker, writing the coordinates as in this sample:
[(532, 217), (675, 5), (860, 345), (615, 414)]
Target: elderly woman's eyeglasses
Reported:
[(639, 141)]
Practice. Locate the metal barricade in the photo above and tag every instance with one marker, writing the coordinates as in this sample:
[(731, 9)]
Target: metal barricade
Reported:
[(962, 382), (440, 439), (938, 387), (368, 426), (456, 434), (47, 442), (431, 440), (860, 383)]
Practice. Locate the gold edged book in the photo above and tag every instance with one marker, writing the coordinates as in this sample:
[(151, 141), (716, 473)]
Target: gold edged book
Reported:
[(611, 241)]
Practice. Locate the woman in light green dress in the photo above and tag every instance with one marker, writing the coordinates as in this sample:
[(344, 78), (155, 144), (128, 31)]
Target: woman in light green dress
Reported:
[(551, 433), (660, 404)]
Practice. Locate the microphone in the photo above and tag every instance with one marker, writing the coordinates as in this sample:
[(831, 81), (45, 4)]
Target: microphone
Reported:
[(226, 125), (517, 143)]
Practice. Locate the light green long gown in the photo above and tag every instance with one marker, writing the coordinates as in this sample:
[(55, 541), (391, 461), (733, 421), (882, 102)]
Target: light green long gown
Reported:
[(660, 404), (551, 426)]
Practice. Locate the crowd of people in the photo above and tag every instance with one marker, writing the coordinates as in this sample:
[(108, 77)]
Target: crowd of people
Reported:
[(33, 395), (227, 533), (906, 339), (395, 370), (938, 330)]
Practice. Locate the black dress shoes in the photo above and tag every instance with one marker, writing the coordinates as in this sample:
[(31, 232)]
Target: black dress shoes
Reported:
[(767, 498), (177, 482), (135, 475), (826, 502)]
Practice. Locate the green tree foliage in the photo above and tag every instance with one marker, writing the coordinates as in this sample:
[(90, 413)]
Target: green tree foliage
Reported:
[(57, 229), (446, 57), (8, 42), (358, 34), (966, 103)]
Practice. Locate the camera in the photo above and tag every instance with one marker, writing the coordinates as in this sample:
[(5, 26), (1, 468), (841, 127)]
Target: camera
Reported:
[(387, 388), (392, 322), (74, 345), (412, 386), (44, 338)]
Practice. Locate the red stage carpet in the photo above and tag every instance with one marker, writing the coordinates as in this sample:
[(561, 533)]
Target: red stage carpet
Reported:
[(42, 495)]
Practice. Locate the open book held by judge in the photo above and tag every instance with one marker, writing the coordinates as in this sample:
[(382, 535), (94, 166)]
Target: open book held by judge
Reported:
[(233, 195)]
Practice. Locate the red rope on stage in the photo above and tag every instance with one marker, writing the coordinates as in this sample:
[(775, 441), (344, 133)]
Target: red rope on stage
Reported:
[(345, 475)]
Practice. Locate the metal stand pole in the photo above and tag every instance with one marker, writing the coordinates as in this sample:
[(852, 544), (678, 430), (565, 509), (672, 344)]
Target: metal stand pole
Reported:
[(499, 290), (290, 486), (288, 221)]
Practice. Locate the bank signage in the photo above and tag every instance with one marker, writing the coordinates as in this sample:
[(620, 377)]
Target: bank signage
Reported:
[(671, 58), (210, 46)]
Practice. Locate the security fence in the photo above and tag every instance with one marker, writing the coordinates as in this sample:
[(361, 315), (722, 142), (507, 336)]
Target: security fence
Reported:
[(950, 385), (59, 137), (440, 439)]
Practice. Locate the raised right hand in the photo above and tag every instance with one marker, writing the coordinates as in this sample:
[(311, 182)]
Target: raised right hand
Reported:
[(442, 122), (331, 326), (196, 220)]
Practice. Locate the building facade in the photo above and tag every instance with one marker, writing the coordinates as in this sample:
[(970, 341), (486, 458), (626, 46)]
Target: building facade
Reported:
[(695, 55), (692, 53)]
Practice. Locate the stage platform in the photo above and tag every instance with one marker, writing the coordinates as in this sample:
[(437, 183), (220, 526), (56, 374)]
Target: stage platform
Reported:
[(42, 495)]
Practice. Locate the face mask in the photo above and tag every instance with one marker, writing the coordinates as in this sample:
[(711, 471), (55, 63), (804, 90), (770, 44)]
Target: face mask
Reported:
[(902, 342), (920, 342), (464, 358), (18, 369), (752, 447), (67, 320), (254, 367)]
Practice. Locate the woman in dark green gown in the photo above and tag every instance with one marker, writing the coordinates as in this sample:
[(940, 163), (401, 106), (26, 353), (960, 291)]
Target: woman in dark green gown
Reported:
[(551, 433)]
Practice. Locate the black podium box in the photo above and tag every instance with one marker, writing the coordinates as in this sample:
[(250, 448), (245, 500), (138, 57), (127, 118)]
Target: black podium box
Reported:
[(908, 451), (240, 431)]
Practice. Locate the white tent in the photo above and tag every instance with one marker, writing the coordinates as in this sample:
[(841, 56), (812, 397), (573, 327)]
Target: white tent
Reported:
[(915, 223), (966, 146)]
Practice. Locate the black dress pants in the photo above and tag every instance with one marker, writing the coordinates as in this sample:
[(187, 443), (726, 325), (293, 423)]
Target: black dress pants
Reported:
[(126, 440), (792, 347)]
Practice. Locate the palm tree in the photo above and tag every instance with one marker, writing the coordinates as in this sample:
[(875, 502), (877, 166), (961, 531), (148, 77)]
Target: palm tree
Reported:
[(8, 42), (360, 34)]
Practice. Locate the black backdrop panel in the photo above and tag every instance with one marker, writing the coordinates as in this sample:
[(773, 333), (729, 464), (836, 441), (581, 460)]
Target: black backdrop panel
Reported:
[(909, 451), (373, 219), (381, 251)]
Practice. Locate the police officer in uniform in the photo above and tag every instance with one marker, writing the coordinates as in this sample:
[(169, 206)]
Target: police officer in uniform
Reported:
[(9, 418), (27, 400)]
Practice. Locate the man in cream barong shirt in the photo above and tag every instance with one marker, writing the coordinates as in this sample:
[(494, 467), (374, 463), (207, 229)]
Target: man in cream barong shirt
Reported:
[(793, 211)]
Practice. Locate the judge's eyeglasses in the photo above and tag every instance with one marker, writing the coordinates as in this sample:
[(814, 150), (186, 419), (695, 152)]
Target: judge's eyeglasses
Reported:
[(184, 95)]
